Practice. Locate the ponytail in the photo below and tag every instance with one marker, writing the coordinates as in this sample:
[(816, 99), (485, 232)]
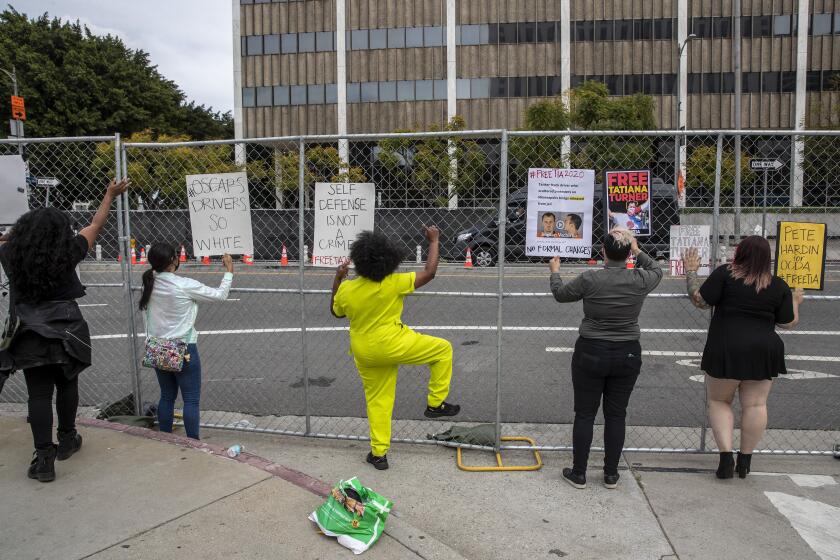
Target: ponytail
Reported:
[(148, 285)]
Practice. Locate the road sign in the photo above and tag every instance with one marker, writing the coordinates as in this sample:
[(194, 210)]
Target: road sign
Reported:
[(18, 108), (765, 164), (47, 182)]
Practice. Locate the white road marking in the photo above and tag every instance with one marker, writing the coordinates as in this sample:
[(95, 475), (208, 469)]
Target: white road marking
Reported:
[(792, 373), (93, 305), (233, 299), (817, 523), (803, 480), (687, 354)]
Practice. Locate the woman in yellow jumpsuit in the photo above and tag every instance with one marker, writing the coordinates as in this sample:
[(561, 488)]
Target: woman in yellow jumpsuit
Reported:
[(380, 343)]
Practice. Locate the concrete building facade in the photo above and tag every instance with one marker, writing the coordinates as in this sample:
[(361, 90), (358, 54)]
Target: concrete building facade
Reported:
[(363, 66)]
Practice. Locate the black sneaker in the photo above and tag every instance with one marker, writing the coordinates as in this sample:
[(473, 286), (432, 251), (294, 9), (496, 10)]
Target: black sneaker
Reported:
[(68, 443), (611, 480), (445, 409), (42, 467), (576, 480), (379, 463)]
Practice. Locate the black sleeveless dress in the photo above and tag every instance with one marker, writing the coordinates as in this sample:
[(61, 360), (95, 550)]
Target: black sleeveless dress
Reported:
[(742, 342)]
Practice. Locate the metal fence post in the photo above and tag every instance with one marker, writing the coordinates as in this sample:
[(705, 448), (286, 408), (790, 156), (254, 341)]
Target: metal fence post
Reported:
[(301, 240), (500, 263), (124, 204)]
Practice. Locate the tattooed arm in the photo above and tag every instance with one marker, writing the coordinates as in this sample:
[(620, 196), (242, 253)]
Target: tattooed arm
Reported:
[(691, 263)]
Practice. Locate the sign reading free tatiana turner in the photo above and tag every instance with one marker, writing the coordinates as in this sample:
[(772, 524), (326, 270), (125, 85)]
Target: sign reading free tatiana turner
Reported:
[(342, 211), (220, 214), (800, 254)]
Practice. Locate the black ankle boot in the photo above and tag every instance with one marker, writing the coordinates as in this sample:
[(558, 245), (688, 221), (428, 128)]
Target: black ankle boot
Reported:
[(726, 467), (42, 467), (68, 443), (743, 465)]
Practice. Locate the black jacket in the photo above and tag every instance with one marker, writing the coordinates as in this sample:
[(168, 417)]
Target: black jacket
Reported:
[(51, 332)]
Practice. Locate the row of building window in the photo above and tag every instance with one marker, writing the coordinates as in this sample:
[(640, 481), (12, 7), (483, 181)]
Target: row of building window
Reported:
[(532, 86)]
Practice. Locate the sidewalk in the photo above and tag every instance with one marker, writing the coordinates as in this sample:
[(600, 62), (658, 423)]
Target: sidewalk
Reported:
[(133, 493)]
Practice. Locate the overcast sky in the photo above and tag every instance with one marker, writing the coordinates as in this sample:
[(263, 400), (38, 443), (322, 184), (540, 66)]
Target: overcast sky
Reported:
[(190, 41)]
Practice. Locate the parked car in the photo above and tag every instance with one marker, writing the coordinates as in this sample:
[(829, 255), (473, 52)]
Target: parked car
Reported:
[(483, 238)]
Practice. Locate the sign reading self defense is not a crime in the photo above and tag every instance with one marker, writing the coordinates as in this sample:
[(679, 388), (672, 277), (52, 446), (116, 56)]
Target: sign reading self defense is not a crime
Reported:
[(342, 211), (220, 214), (800, 254)]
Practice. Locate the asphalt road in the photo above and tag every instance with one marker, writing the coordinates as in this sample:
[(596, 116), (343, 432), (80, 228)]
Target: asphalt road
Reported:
[(251, 350)]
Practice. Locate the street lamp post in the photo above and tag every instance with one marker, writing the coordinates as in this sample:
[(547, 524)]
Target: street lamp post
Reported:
[(19, 126), (678, 138)]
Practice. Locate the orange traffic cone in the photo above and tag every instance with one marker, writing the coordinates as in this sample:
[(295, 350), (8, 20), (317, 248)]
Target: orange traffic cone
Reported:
[(248, 260), (468, 261), (143, 256), (119, 257), (205, 260), (133, 256), (631, 261), (591, 262), (284, 257), (183, 257)]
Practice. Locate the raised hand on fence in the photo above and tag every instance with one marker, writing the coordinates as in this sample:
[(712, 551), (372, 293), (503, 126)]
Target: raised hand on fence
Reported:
[(227, 260), (691, 260), (432, 233), (554, 265), (116, 188)]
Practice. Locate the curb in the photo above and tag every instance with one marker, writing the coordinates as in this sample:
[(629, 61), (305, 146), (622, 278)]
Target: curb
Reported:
[(409, 536)]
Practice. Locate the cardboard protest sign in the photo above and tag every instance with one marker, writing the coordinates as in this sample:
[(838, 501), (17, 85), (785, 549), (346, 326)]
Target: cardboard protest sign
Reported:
[(342, 211), (13, 201), (220, 214), (627, 200), (800, 254), (560, 212), (684, 237)]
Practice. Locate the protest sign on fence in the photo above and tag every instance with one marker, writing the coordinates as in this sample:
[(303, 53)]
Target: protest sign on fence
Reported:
[(627, 200), (684, 237), (13, 202), (800, 254), (220, 214), (560, 212), (342, 211)]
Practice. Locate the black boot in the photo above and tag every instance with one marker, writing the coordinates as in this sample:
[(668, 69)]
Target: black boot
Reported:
[(726, 467), (743, 465), (68, 443), (42, 467)]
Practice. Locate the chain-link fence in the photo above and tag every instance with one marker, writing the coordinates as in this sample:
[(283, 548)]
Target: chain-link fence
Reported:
[(274, 359)]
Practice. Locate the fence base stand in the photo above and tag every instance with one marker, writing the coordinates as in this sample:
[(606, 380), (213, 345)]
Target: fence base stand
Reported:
[(499, 465)]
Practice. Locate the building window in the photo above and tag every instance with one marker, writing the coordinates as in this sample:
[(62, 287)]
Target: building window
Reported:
[(505, 33), (762, 26), (370, 92), (354, 92), (470, 34), (396, 38), (663, 29), (433, 36), (331, 93), (255, 44), (359, 39), (249, 98), (498, 87), (462, 88), (536, 86), (553, 85), (669, 84), (440, 89), (643, 29), (624, 30), (517, 87), (746, 27), (527, 32), (281, 95), (315, 94), (584, 31), (264, 97), (722, 27), (711, 83), (271, 44), (751, 82), (575, 81), (837, 22), (652, 84), (821, 24), (813, 80), (615, 84), (546, 32), (324, 41), (405, 90), (298, 95), (424, 90), (728, 82), (770, 82), (288, 43), (604, 30), (702, 27), (789, 82), (387, 91), (379, 38), (632, 84), (781, 25), (413, 37), (694, 83), (306, 42), (479, 88)]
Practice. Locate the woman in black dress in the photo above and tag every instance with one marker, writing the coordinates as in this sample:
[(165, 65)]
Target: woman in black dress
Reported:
[(743, 352)]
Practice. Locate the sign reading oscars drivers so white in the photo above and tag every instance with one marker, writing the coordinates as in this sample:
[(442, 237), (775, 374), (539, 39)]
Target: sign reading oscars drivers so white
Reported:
[(560, 212), (220, 214), (342, 211)]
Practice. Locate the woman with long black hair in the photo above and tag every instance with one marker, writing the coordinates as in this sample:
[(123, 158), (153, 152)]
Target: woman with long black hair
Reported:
[(170, 306), (52, 345)]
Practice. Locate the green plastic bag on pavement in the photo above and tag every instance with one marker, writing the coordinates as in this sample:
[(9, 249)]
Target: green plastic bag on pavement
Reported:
[(354, 514)]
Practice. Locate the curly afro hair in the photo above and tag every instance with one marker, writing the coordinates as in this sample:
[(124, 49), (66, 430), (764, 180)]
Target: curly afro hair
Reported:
[(375, 255)]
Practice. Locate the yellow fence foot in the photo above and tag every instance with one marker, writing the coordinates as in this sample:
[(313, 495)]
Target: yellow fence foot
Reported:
[(500, 466)]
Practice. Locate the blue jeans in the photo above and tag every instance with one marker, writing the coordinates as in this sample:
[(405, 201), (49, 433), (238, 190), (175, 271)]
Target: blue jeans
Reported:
[(189, 382)]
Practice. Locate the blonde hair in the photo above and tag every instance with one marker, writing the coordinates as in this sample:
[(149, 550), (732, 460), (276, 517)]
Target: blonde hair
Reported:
[(623, 237)]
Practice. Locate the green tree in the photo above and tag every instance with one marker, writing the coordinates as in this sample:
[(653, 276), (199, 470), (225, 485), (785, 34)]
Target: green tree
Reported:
[(701, 164), (76, 83), (431, 165)]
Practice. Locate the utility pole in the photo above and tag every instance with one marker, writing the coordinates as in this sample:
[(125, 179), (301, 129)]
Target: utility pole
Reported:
[(736, 60), (18, 132), (678, 178)]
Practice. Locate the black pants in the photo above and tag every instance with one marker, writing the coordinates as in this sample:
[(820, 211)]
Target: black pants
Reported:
[(39, 384), (608, 370)]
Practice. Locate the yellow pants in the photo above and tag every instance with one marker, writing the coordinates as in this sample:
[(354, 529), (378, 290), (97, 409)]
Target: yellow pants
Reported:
[(378, 357)]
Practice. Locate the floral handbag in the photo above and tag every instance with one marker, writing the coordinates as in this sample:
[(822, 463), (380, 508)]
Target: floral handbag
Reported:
[(165, 354)]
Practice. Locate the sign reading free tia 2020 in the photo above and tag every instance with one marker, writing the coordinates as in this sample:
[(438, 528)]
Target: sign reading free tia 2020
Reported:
[(220, 214)]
